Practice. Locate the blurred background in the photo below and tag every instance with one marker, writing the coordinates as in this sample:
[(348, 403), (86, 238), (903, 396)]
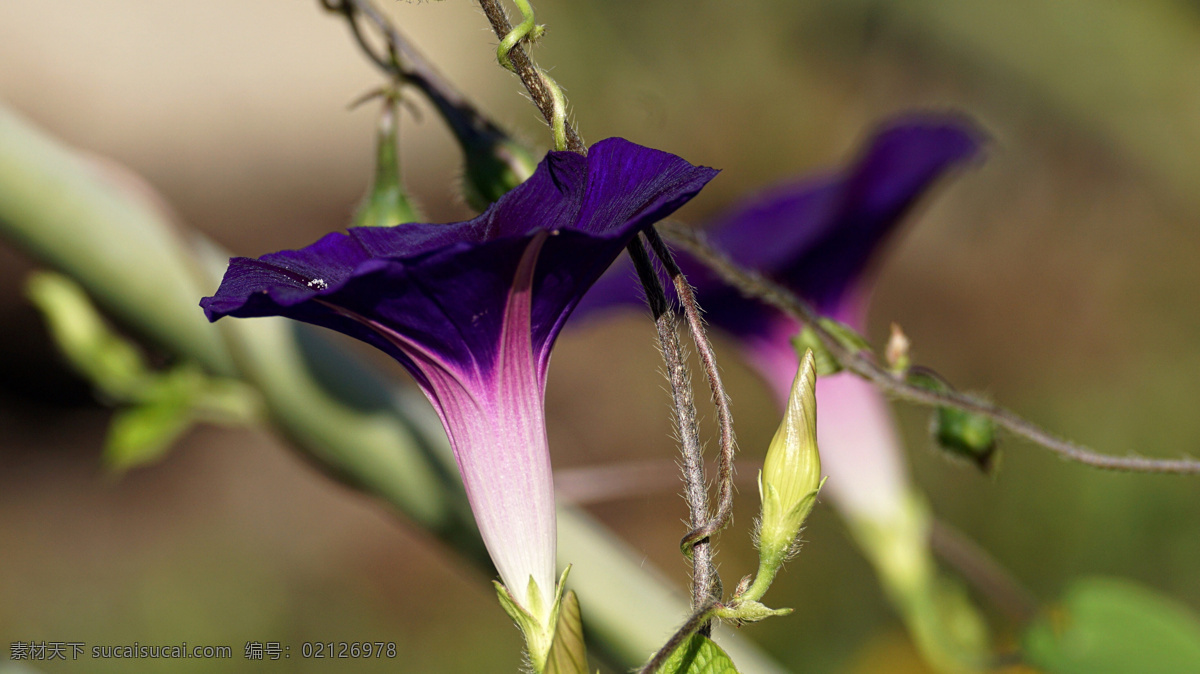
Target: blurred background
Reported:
[(1059, 278)]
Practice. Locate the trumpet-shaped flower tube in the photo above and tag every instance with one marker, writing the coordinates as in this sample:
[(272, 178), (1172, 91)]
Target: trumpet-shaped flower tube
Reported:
[(471, 310)]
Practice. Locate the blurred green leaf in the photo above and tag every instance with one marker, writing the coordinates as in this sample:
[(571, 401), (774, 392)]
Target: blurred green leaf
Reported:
[(568, 653), (1110, 625), (167, 404), (142, 434), (163, 404), (698, 655), (111, 363), (847, 336), (806, 341)]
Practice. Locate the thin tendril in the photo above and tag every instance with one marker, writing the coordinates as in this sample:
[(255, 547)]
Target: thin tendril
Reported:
[(516, 35), (528, 28), (544, 91)]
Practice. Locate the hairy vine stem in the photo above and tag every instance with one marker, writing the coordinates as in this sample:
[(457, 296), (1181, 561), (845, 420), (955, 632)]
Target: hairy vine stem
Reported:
[(728, 446), (754, 284), (704, 577)]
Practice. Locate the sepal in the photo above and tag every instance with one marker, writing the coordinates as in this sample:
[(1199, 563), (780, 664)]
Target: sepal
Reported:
[(537, 622), (748, 611), (568, 652)]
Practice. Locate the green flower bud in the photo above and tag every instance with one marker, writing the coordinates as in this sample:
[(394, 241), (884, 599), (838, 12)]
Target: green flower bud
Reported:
[(494, 162), (961, 434), (788, 485), (387, 203), (791, 473)]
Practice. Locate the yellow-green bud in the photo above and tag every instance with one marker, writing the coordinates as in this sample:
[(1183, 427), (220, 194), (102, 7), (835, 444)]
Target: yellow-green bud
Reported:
[(791, 473)]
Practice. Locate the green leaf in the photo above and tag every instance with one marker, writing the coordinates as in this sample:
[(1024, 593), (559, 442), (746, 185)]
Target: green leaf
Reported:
[(568, 653), (961, 433), (142, 434), (163, 404), (1110, 625), (112, 363), (698, 655)]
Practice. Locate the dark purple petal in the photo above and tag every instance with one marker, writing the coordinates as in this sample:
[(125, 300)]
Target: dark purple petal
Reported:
[(441, 290), (818, 236)]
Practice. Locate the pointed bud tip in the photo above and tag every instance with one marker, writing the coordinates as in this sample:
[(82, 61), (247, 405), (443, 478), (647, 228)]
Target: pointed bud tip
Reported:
[(806, 378)]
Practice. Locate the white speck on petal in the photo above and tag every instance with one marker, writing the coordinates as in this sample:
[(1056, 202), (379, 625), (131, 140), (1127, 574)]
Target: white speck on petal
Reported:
[(318, 283)]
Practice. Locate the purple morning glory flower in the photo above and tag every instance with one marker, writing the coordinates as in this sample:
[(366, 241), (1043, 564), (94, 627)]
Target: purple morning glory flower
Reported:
[(819, 237), (472, 309)]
